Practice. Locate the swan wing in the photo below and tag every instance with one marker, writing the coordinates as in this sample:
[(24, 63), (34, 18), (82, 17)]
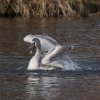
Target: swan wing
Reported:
[(47, 43), (53, 54)]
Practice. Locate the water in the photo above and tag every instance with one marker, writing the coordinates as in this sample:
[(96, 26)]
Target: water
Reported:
[(16, 83)]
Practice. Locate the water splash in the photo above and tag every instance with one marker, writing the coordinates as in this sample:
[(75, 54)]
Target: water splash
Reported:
[(62, 63)]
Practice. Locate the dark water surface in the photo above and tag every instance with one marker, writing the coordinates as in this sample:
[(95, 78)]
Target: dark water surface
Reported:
[(18, 84)]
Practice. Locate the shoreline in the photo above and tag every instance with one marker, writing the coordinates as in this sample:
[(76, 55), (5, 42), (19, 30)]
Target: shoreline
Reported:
[(52, 8)]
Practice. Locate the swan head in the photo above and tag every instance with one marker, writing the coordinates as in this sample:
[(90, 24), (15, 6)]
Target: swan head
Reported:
[(35, 45)]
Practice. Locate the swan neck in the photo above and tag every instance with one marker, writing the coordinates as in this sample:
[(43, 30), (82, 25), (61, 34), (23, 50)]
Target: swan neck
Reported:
[(34, 62), (37, 52)]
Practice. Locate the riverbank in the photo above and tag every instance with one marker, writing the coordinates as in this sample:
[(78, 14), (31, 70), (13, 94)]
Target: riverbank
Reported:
[(50, 8)]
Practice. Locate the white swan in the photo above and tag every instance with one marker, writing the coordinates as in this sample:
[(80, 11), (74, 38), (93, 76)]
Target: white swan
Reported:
[(48, 44), (34, 63)]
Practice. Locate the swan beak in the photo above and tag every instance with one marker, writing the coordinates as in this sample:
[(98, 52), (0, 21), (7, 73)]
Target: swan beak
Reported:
[(31, 48)]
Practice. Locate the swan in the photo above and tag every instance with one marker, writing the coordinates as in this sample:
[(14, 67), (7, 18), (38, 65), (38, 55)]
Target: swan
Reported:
[(48, 44), (35, 62)]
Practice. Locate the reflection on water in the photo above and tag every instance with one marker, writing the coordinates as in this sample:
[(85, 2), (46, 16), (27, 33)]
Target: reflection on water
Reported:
[(43, 87), (63, 87), (48, 86), (18, 84)]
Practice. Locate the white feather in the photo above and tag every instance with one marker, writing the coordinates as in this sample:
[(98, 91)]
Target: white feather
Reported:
[(56, 63), (47, 43)]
